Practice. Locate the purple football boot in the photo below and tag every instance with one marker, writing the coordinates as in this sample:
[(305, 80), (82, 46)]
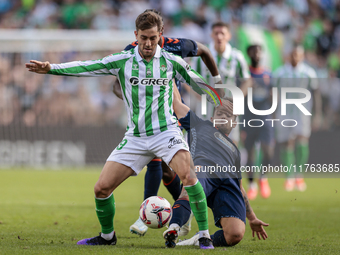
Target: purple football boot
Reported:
[(98, 240), (205, 243)]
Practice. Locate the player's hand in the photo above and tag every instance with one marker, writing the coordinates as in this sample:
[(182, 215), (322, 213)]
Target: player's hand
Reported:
[(38, 67), (228, 106), (256, 226)]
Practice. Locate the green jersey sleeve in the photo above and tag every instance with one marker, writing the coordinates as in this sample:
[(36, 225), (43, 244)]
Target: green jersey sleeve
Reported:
[(105, 66)]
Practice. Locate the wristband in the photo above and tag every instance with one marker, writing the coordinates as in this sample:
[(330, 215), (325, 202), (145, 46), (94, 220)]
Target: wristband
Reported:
[(217, 79)]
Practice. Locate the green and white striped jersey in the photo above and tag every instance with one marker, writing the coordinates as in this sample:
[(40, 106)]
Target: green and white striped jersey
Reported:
[(301, 76), (147, 87), (301, 71), (231, 65)]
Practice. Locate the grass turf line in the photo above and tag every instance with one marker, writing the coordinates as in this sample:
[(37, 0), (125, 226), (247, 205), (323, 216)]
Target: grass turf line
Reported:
[(47, 212)]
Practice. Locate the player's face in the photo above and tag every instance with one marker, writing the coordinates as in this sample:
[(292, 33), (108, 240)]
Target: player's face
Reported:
[(221, 113), (147, 41), (221, 36), (255, 54), (297, 56)]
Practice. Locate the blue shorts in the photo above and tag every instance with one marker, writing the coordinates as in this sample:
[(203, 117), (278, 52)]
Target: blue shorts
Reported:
[(264, 134), (225, 198)]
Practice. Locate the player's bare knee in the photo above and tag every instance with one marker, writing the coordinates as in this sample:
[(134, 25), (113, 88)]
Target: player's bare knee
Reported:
[(187, 178), (97, 190), (184, 176), (101, 190), (233, 235), (233, 238)]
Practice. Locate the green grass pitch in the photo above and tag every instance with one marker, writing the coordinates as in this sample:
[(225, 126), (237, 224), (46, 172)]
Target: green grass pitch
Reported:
[(47, 212)]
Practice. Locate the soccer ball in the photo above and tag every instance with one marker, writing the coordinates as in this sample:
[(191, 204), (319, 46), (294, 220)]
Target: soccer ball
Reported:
[(155, 212)]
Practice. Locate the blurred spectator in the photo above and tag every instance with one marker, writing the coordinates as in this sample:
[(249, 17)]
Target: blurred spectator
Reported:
[(205, 14), (5, 5), (189, 29), (105, 103), (8, 102), (331, 107), (78, 14), (170, 8), (326, 4), (231, 13), (81, 108), (252, 12), (300, 6), (42, 12), (129, 11), (54, 100), (106, 18), (325, 41), (280, 14)]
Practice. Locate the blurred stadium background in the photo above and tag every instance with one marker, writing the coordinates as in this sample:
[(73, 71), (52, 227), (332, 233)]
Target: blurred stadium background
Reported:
[(62, 121)]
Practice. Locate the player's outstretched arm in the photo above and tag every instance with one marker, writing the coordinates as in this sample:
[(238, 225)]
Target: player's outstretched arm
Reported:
[(38, 66), (184, 73), (90, 68), (255, 224), (207, 58), (210, 63)]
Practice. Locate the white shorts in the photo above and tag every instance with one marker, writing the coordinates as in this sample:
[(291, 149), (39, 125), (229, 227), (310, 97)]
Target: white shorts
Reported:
[(137, 152), (303, 128)]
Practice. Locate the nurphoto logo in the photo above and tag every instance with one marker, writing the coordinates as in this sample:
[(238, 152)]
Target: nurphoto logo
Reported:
[(239, 102)]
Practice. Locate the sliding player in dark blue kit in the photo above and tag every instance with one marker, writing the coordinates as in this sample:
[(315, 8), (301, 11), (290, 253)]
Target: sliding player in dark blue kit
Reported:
[(264, 135), (217, 165), (154, 174)]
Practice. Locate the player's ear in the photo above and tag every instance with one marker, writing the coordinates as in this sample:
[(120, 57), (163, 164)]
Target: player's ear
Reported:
[(136, 33)]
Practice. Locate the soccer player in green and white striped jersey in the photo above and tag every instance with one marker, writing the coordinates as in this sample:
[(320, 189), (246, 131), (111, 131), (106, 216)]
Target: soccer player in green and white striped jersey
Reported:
[(146, 75), (294, 140), (231, 64)]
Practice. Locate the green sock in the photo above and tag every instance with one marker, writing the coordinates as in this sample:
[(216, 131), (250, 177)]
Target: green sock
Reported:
[(198, 204), (258, 157), (302, 154), (105, 209), (288, 159)]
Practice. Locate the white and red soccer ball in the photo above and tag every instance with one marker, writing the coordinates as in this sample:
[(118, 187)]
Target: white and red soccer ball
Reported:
[(155, 212)]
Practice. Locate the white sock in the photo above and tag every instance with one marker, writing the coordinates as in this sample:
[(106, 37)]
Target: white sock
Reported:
[(107, 237), (174, 225), (203, 233)]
